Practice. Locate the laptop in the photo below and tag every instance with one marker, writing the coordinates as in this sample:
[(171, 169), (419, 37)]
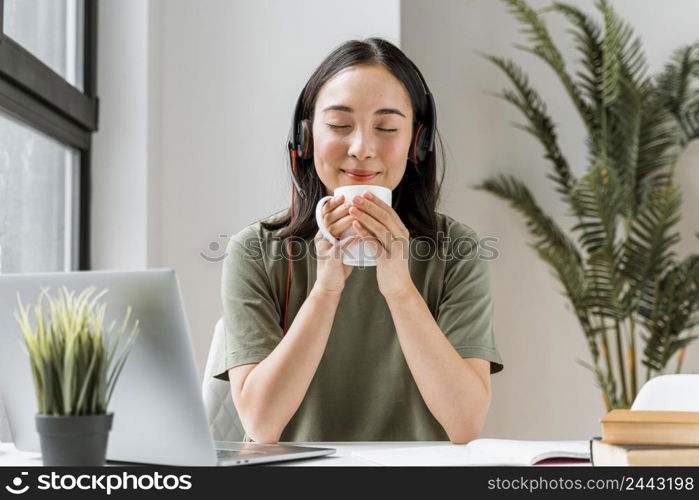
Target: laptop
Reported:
[(159, 414)]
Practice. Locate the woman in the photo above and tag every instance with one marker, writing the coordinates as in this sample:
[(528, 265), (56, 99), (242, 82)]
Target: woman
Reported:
[(400, 351)]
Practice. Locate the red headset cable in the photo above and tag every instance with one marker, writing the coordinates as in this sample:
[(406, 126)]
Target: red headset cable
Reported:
[(288, 274)]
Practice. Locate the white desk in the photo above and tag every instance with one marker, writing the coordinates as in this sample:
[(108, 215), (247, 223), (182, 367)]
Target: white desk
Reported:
[(10, 456)]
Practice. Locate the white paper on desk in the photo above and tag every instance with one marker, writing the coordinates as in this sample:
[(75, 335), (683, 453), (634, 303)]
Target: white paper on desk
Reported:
[(479, 452)]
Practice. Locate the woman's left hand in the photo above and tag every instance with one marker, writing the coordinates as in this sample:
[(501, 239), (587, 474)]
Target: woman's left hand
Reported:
[(386, 237)]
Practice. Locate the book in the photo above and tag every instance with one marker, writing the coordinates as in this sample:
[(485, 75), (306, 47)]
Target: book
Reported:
[(638, 427), (481, 452), (602, 453)]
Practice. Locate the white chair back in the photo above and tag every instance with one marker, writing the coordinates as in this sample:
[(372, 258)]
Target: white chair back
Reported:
[(677, 392), (223, 418)]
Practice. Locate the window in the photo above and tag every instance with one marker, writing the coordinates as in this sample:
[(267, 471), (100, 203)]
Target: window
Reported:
[(51, 31), (48, 112)]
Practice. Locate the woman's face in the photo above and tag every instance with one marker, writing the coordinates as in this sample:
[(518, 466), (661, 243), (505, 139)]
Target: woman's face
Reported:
[(362, 123)]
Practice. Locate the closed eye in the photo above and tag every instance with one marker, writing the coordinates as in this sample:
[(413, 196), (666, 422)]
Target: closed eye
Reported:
[(330, 125)]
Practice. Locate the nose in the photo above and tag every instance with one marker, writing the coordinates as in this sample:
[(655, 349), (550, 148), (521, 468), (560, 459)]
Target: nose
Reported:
[(361, 144)]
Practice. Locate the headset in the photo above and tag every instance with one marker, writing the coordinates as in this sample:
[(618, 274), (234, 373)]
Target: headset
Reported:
[(301, 147)]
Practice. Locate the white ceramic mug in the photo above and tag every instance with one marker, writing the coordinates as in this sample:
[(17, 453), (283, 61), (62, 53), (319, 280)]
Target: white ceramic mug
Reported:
[(357, 254)]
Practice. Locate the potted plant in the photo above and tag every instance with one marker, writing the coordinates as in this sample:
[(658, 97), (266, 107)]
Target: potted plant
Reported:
[(75, 364), (630, 293)]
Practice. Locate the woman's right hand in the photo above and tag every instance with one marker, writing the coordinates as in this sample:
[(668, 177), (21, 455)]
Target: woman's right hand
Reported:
[(331, 272)]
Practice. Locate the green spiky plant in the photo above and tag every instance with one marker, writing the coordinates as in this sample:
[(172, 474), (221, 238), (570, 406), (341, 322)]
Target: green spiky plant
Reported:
[(73, 359), (619, 272)]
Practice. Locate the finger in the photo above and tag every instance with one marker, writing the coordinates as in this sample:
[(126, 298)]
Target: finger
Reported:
[(394, 223), (373, 227), (343, 223), (333, 203), (333, 214), (370, 239), (334, 209), (323, 243), (379, 202), (381, 211)]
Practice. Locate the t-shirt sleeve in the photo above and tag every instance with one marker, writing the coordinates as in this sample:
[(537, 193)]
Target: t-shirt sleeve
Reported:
[(465, 313), (250, 312)]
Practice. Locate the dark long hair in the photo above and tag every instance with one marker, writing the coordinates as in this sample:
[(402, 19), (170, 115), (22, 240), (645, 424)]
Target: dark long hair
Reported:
[(416, 197)]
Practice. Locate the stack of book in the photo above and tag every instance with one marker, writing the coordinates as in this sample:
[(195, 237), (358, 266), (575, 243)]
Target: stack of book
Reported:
[(636, 437)]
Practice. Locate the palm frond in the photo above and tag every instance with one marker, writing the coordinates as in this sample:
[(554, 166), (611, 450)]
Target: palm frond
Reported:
[(678, 90), (534, 27), (588, 41), (596, 201), (659, 148), (624, 121), (624, 89), (622, 55), (669, 312), (541, 226), (689, 123), (611, 48), (528, 101), (648, 248), (552, 245)]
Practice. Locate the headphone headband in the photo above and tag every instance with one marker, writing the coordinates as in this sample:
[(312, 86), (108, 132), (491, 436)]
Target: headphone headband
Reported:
[(431, 111)]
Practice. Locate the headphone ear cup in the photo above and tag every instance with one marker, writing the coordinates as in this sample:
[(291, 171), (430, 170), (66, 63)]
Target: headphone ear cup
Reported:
[(305, 142), (418, 152)]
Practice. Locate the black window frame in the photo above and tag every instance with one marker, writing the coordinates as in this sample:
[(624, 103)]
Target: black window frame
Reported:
[(34, 94)]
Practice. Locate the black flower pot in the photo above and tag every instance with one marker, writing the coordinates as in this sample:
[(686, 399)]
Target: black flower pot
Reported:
[(74, 440)]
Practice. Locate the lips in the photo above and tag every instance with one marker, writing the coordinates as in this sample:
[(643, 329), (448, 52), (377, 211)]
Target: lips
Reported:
[(360, 175)]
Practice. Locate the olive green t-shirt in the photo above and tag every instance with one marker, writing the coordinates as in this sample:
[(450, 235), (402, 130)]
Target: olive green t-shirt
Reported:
[(362, 389)]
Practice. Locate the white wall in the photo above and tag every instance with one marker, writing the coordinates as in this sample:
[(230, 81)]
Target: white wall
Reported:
[(542, 393), (196, 102), (120, 161)]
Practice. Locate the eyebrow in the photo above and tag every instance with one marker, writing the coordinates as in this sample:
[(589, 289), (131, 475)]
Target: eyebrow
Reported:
[(382, 111)]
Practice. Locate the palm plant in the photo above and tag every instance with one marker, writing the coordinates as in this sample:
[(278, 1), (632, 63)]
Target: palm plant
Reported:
[(619, 271)]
